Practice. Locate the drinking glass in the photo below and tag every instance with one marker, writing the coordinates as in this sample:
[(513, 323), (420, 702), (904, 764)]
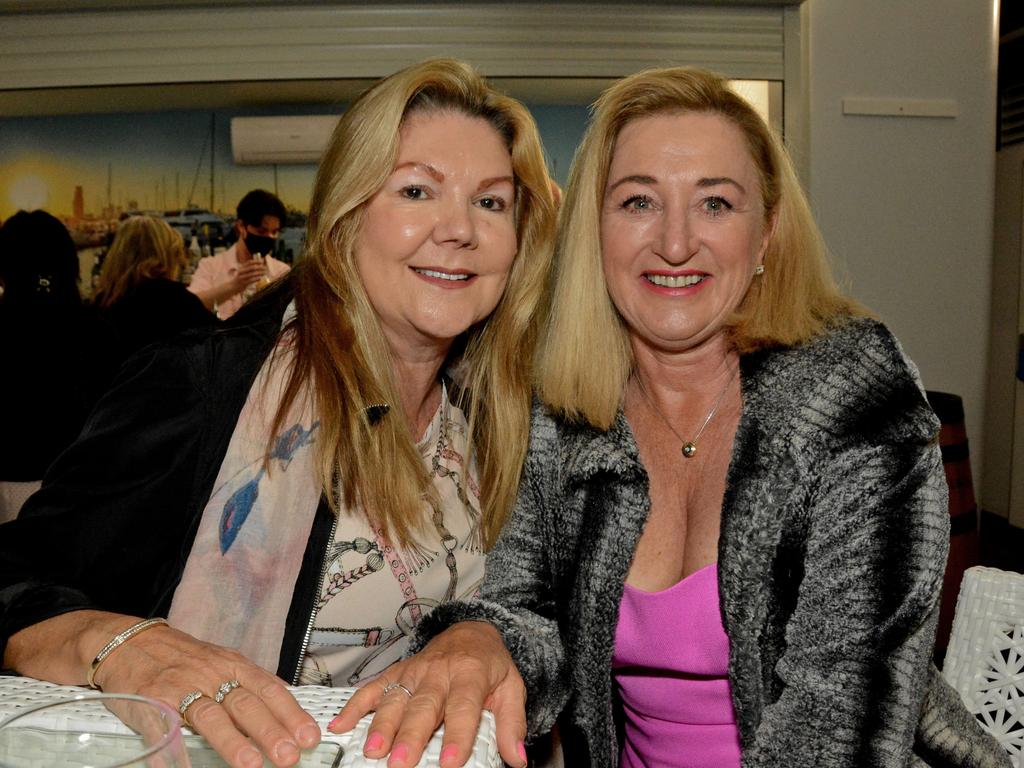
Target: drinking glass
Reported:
[(94, 731)]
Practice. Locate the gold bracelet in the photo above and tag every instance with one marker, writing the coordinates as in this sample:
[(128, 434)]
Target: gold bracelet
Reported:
[(117, 642)]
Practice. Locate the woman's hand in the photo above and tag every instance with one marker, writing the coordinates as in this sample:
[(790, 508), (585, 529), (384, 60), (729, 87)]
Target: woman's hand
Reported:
[(461, 672), (163, 663)]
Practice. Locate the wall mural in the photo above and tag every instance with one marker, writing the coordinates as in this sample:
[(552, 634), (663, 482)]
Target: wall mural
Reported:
[(91, 170)]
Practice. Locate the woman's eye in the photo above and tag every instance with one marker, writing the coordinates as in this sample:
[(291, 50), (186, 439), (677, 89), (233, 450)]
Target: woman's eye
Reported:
[(491, 203), (716, 205), (413, 192), (638, 203)]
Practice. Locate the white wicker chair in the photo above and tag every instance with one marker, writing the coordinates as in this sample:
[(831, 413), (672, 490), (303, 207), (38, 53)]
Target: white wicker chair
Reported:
[(985, 658)]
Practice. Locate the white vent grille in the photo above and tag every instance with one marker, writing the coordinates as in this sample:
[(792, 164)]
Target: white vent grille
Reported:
[(308, 41)]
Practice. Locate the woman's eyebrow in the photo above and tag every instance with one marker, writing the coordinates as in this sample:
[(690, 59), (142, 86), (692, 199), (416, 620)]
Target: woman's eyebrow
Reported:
[(714, 181), (632, 179), (494, 180), (426, 168)]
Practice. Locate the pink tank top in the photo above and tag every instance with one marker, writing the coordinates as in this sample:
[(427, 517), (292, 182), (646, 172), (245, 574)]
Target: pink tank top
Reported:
[(671, 664)]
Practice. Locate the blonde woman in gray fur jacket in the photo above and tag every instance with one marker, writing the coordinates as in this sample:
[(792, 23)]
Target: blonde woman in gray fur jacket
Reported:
[(732, 524)]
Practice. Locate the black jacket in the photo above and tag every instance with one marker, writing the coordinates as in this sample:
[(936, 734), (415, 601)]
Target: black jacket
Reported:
[(156, 310), (54, 366), (113, 525)]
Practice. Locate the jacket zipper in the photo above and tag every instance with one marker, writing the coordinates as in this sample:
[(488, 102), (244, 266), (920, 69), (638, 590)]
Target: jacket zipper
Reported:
[(313, 610)]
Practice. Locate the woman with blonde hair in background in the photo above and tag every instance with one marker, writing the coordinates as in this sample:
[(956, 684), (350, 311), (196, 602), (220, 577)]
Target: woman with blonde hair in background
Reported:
[(730, 535), (139, 289), (297, 489)]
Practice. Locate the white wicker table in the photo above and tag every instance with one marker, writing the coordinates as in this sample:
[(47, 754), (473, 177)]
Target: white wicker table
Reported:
[(20, 693)]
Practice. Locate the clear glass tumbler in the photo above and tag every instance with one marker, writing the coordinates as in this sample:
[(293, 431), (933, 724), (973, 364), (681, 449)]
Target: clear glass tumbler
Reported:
[(94, 731)]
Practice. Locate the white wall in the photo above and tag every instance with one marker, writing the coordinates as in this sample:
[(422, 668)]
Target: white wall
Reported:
[(1004, 425), (906, 203)]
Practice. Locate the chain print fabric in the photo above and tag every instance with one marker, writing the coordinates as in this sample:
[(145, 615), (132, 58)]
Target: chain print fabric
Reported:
[(373, 595)]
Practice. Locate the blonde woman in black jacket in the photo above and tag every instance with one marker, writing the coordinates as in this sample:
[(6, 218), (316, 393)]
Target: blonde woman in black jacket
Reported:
[(139, 289), (338, 461)]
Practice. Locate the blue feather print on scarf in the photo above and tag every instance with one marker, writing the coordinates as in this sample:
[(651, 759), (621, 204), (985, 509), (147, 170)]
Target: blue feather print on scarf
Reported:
[(237, 508)]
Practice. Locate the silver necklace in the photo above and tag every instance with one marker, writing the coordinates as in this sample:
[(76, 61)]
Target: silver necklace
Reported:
[(689, 449)]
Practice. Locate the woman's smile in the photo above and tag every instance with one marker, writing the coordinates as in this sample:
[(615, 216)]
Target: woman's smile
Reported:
[(442, 278), (675, 282)]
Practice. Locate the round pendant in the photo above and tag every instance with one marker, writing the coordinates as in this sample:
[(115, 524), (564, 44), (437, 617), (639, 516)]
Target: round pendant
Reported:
[(689, 449)]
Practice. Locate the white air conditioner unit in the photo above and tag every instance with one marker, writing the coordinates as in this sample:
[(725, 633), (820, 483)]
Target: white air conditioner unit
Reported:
[(280, 140)]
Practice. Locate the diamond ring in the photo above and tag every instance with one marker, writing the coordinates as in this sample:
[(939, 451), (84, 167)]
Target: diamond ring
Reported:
[(225, 688), (189, 699)]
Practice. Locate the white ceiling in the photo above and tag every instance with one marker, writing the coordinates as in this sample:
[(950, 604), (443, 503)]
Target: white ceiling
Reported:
[(66, 6)]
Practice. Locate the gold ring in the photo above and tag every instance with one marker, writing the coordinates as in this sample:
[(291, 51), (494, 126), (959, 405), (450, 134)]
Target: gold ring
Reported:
[(189, 699)]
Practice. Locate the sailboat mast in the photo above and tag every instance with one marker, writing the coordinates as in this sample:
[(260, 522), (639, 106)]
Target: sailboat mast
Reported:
[(213, 118)]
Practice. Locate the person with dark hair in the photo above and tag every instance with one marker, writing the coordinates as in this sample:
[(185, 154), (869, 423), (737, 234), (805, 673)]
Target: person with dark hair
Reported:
[(139, 291), (225, 281), (55, 352)]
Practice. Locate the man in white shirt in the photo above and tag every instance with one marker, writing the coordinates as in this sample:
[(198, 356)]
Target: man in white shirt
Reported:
[(226, 280)]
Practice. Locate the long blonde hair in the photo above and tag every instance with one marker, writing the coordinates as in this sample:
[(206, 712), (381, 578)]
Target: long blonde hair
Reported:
[(341, 354), (585, 357), (144, 248)]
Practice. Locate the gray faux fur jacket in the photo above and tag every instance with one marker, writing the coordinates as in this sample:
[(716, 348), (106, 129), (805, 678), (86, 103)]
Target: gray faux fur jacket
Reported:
[(833, 542)]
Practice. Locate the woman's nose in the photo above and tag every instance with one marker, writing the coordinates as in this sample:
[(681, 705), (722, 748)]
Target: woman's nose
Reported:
[(456, 224), (677, 239)]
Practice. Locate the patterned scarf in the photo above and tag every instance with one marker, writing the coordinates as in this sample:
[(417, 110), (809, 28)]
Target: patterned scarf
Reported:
[(240, 576)]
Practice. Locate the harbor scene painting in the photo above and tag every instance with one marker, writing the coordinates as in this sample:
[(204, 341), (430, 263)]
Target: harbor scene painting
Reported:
[(93, 170)]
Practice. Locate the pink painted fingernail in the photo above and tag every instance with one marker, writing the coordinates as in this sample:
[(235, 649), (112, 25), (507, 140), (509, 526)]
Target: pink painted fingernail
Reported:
[(376, 741), (521, 749), (399, 754), (334, 723), (449, 753)]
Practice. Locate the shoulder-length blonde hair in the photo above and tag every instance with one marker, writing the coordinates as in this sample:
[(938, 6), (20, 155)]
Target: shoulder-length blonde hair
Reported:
[(585, 357), (144, 248), (342, 356)]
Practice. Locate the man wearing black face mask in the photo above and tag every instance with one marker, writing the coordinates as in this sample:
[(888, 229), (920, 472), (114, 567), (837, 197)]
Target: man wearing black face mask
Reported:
[(225, 281)]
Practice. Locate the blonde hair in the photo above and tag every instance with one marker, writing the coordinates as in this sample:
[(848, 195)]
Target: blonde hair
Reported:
[(585, 357), (144, 248), (340, 348)]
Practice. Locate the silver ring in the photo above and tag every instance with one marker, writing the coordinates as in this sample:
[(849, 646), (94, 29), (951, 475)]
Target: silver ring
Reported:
[(396, 687), (188, 701), (225, 688)]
